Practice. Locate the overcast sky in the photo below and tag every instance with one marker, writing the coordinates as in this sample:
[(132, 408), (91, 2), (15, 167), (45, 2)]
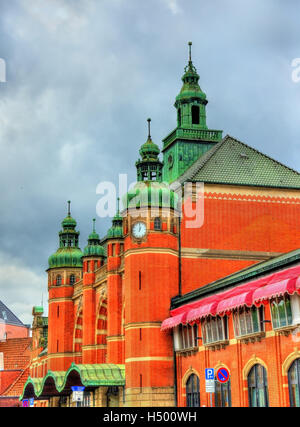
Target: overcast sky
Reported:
[(83, 76)]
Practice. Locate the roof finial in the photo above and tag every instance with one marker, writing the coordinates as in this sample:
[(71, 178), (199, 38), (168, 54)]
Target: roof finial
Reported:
[(149, 121), (94, 230), (118, 205), (69, 208), (190, 51)]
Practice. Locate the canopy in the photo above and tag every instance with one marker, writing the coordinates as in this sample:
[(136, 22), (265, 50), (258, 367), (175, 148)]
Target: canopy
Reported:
[(255, 292)]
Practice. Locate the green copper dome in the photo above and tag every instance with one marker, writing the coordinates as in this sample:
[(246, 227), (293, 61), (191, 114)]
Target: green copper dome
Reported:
[(94, 247), (68, 254), (116, 230), (149, 168), (151, 194)]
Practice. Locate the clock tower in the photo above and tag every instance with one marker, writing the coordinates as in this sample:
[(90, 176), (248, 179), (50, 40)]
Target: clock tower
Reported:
[(150, 281)]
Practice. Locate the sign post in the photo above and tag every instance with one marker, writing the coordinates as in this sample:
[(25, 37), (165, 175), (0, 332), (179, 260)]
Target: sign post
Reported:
[(210, 383)]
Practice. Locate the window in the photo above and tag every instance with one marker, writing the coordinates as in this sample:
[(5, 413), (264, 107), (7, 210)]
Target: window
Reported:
[(58, 280), (188, 336), (294, 384), (258, 387), (72, 279), (193, 391), (248, 321), (179, 116), (214, 329), (222, 394), (195, 115), (281, 312), (157, 224)]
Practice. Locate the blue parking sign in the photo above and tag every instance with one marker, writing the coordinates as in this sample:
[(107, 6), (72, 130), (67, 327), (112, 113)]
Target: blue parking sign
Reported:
[(209, 374)]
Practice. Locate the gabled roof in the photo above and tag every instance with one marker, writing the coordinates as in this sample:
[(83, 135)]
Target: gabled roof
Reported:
[(235, 163), (7, 316)]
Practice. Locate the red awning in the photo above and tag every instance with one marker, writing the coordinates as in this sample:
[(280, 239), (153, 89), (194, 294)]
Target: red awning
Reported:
[(235, 301), (202, 311), (275, 290), (171, 322), (247, 294)]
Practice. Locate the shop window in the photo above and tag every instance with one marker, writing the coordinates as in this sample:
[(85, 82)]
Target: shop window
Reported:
[(248, 321), (193, 391), (281, 312), (214, 329), (258, 387), (294, 384)]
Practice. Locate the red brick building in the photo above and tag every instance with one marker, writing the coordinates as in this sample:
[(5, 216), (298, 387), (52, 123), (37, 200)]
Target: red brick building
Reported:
[(15, 352), (107, 303)]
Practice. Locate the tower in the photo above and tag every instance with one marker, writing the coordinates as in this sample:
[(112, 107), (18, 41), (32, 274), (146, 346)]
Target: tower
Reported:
[(65, 269), (150, 280), (115, 252), (93, 258), (191, 138)]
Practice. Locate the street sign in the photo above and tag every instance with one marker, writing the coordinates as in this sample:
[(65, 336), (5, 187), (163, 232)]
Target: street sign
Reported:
[(25, 403), (209, 380), (210, 386), (77, 395), (223, 375), (31, 402), (209, 374)]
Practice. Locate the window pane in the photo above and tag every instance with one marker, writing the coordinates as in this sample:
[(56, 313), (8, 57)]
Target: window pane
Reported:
[(255, 320), (275, 315), (282, 313), (288, 311)]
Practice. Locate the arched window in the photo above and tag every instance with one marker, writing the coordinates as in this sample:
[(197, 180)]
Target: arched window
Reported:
[(258, 387), (72, 279), (195, 115), (222, 394), (58, 280), (193, 391), (294, 384), (157, 224)]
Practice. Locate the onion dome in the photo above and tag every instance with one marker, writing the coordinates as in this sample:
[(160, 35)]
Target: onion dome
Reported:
[(116, 230), (190, 88), (149, 168), (94, 247), (68, 254), (150, 194)]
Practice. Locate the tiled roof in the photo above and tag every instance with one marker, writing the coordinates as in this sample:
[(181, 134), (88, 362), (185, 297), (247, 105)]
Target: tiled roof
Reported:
[(16, 352), (16, 388), (8, 316), (233, 162)]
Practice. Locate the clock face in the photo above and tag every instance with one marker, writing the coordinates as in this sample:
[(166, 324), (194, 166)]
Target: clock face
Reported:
[(139, 230)]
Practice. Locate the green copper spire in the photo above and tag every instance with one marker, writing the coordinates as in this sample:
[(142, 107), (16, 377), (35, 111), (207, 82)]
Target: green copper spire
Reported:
[(116, 230), (68, 253), (149, 168), (191, 138), (94, 247)]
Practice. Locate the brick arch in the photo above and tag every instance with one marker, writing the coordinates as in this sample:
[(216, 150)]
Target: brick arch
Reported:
[(249, 365), (221, 365), (188, 373), (289, 360), (101, 330), (77, 337)]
